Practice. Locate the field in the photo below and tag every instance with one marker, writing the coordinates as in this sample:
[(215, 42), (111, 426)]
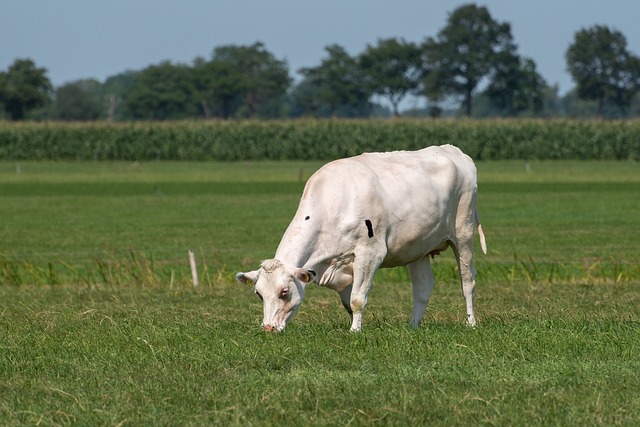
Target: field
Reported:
[(317, 139), (100, 325)]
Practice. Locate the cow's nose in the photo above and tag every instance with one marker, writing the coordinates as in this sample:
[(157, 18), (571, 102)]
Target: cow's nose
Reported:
[(269, 328)]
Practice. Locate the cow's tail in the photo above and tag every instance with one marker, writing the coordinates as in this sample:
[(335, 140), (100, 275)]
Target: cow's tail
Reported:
[(483, 241)]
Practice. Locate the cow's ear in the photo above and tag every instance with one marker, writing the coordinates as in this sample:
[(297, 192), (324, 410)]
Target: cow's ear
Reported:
[(249, 278), (305, 276)]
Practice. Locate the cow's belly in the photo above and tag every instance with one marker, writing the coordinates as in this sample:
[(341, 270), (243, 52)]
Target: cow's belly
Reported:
[(408, 244), (417, 223), (411, 254)]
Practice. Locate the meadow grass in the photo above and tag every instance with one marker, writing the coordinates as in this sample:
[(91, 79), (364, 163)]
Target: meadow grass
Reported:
[(99, 324), (129, 222)]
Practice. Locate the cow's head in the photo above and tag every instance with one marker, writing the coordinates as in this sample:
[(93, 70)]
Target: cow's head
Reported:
[(281, 288)]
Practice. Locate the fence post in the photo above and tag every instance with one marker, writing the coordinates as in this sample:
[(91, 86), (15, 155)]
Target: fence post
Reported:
[(194, 271)]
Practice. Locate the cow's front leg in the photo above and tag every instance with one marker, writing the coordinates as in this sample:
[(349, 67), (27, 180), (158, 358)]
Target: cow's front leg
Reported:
[(422, 282), (362, 281)]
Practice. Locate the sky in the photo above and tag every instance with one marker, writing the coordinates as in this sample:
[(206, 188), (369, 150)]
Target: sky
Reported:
[(77, 39)]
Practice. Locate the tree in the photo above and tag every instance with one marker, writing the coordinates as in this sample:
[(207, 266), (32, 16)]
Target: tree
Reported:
[(219, 88), (602, 67), (336, 84), (515, 85), (23, 88), (434, 88), (464, 53), (576, 107), (114, 90), (161, 92), (551, 102), (79, 100), (262, 77), (393, 68), (625, 92)]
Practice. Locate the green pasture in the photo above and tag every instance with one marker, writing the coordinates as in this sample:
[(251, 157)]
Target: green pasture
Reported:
[(132, 223), (100, 325)]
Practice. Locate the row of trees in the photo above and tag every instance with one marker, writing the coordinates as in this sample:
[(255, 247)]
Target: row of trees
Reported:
[(473, 60)]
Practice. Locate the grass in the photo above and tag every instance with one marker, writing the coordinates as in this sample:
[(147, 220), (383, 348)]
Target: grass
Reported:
[(112, 356), (91, 223), (99, 324)]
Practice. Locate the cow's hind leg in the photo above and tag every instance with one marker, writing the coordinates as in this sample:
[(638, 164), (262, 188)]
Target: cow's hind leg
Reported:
[(463, 248), (422, 282), (464, 256)]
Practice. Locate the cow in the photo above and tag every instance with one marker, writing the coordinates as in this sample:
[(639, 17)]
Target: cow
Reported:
[(372, 211)]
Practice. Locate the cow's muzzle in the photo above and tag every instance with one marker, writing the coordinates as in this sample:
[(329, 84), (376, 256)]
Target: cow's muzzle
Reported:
[(271, 328)]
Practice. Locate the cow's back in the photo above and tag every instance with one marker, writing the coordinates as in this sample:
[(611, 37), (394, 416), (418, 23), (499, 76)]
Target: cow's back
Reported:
[(409, 198), (413, 180)]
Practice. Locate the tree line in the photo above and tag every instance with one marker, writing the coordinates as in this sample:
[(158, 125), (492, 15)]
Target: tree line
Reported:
[(471, 67)]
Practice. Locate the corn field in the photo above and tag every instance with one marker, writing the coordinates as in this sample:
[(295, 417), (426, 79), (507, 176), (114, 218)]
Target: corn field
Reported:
[(318, 139)]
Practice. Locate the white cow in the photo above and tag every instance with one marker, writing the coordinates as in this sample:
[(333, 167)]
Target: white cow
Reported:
[(370, 211)]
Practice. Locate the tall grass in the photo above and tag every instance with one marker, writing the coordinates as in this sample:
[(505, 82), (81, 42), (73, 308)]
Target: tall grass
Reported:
[(317, 140), (143, 269)]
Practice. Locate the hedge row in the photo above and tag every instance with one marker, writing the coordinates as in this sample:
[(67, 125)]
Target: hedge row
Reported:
[(317, 140)]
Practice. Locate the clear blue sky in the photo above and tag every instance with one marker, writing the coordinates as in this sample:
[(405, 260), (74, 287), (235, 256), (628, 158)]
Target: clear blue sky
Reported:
[(77, 39)]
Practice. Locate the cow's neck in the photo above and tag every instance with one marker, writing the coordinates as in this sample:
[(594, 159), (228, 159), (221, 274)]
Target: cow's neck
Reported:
[(298, 255), (301, 247)]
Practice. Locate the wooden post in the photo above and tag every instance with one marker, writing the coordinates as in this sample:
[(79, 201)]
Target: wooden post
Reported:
[(194, 271)]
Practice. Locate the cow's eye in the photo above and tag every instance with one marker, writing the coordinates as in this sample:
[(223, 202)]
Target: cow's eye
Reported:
[(283, 293), (259, 296)]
